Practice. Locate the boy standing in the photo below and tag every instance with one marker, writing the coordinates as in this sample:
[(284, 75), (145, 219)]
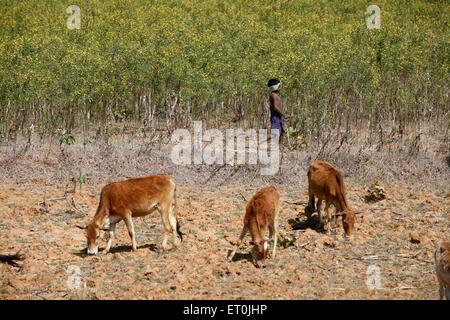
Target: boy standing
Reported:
[(276, 108)]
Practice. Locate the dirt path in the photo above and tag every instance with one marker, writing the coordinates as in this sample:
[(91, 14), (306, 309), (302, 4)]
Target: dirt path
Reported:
[(317, 266)]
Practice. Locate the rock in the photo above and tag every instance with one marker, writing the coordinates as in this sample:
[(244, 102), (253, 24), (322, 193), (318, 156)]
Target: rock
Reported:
[(375, 193), (91, 283), (309, 232), (118, 256), (285, 239), (415, 237), (203, 236), (329, 243), (326, 241), (150, 271)]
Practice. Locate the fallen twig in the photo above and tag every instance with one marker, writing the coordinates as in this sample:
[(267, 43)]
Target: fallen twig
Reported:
[(54, 199), (387, 256), (303, 245), (73, 205), (405, 288), (297, 203), (11, 259), (374, 257), (243, 197)]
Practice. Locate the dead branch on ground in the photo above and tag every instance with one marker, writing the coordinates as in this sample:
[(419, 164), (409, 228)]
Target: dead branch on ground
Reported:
[(12, 258)]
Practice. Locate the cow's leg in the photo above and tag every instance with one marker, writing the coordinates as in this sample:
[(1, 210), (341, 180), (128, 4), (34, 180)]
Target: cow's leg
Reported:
[(130, 227), (441, 289), (173, 223), (327, 210), (112, 230), (335, 218), (111, 222), (164, 211), (241, 237), (319, 209), (273, 235), (311, 203)]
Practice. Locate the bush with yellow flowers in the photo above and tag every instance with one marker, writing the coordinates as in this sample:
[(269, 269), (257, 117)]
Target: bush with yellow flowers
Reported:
[(150, 59)]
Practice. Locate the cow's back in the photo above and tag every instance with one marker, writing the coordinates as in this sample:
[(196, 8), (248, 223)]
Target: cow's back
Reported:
[(264, 203), (138, 194), (323, 178), (261, 212)]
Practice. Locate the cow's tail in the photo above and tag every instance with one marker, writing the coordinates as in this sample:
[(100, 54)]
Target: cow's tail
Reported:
[(175, 211), (341, 192)]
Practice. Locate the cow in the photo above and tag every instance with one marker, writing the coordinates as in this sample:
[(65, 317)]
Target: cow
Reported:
[(131, 198), (442, 265), (327, 183), (261, 213)]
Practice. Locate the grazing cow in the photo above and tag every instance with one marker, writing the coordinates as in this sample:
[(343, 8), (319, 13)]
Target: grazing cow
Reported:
[(138, 197), (442, 263), (327, 183), (261, 214)]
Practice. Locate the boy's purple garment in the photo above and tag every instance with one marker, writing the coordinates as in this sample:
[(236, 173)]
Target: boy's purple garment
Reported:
[(276, 122)]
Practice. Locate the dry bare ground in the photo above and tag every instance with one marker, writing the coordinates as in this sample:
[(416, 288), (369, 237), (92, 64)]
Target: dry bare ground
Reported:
[(39, 214)]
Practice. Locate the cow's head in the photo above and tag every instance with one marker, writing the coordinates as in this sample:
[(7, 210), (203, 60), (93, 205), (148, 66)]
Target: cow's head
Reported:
[(348, 221), (265, 249), (92, 234), (261, 249)]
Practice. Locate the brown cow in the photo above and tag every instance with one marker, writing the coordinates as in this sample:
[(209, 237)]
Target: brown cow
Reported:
[(327, 183), (134, 198), (442, 264), (261, 214)]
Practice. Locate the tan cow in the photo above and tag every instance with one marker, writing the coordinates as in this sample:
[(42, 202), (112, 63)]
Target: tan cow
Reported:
[(442, 264), (138, 197), (261, 213), (327, 183)]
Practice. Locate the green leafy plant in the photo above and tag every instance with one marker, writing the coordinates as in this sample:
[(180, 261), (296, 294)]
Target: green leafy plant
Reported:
[(174, 58), (67, 139), (87, 140), (292, 132), (79, 179)]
